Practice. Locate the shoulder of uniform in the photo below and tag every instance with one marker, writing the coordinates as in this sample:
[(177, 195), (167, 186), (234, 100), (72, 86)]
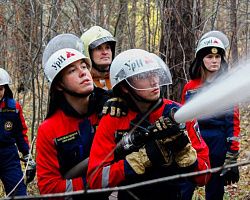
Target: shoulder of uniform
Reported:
[(12, 103), (102, 93), (171, 103), (193, 83)]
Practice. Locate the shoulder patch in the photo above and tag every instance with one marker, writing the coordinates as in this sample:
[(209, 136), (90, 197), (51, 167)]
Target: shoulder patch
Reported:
[(11, 103), (197, 130)]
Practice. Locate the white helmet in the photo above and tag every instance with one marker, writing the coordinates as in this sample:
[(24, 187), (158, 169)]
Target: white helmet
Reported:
[(138, 63), (61, 51), (4, 77), (218, 34), (210, 42)]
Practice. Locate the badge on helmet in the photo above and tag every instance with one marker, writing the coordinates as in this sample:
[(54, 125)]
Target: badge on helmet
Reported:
[(214, 50)]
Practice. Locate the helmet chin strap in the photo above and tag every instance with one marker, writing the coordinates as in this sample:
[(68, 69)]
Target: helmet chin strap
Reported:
[(135, 97)]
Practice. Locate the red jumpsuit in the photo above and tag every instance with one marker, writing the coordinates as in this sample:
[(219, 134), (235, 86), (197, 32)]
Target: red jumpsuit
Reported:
[(104, 171), (63, 140)]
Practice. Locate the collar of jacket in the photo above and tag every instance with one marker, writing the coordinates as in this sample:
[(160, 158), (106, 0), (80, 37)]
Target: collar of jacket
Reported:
[(96, 101)]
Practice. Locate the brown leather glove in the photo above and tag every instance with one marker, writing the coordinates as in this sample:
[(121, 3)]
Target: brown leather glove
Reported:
[(139, 161), (173, 137), (184, 153), (186, 157)]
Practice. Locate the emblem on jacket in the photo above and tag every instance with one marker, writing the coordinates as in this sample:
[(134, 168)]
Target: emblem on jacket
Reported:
[(8, 125), (197, 130)]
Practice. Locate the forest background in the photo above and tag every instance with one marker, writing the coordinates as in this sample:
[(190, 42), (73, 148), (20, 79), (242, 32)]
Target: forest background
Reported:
[(169, 28)]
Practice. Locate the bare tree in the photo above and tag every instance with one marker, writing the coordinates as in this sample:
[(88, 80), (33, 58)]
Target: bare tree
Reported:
[(178, 40), (234, 28), (121, 23)]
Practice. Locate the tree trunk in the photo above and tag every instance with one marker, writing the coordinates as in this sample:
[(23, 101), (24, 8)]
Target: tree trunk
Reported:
[(120, 24), (233, 19), (178, 41)]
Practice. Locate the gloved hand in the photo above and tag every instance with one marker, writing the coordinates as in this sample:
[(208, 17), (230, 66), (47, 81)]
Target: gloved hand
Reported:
[(186, 157), (139, 161), (170, 133), (31, 168), (166, 128), (231, 175), (153, 153), (115, 107), (158, 154), (174, 137)]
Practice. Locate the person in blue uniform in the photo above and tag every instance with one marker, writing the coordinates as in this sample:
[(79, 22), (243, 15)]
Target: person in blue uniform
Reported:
[(13, 138), (220, 132)]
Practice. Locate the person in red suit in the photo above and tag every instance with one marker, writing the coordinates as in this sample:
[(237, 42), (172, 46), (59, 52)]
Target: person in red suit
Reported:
[(147, 143), (65, 136)]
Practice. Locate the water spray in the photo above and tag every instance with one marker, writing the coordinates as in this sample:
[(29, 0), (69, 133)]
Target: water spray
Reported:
[(228, 90)]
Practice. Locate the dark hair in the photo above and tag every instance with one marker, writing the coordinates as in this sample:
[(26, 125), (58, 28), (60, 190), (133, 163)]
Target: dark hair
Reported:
[(55, 96), (8, 93), (117, 90)]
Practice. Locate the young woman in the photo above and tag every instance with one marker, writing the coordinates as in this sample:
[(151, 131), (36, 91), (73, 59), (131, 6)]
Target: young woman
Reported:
[(65, 137), (221, 133)]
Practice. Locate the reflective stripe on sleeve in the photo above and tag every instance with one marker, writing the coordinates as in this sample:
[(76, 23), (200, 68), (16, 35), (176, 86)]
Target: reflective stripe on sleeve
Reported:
[(237, 139), (105, 176), (69, 185)]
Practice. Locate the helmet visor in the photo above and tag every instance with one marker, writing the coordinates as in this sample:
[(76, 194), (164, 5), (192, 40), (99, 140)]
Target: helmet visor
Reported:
[(150, 79), (102, 40)]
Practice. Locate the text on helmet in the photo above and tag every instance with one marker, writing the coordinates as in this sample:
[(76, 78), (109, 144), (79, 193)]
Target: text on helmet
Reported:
[(137, 63), (60, 60), (211, 41), (132, 65)]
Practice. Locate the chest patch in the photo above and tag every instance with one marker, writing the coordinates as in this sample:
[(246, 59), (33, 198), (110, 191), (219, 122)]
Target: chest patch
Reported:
[(67, 138), (8, 125)]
